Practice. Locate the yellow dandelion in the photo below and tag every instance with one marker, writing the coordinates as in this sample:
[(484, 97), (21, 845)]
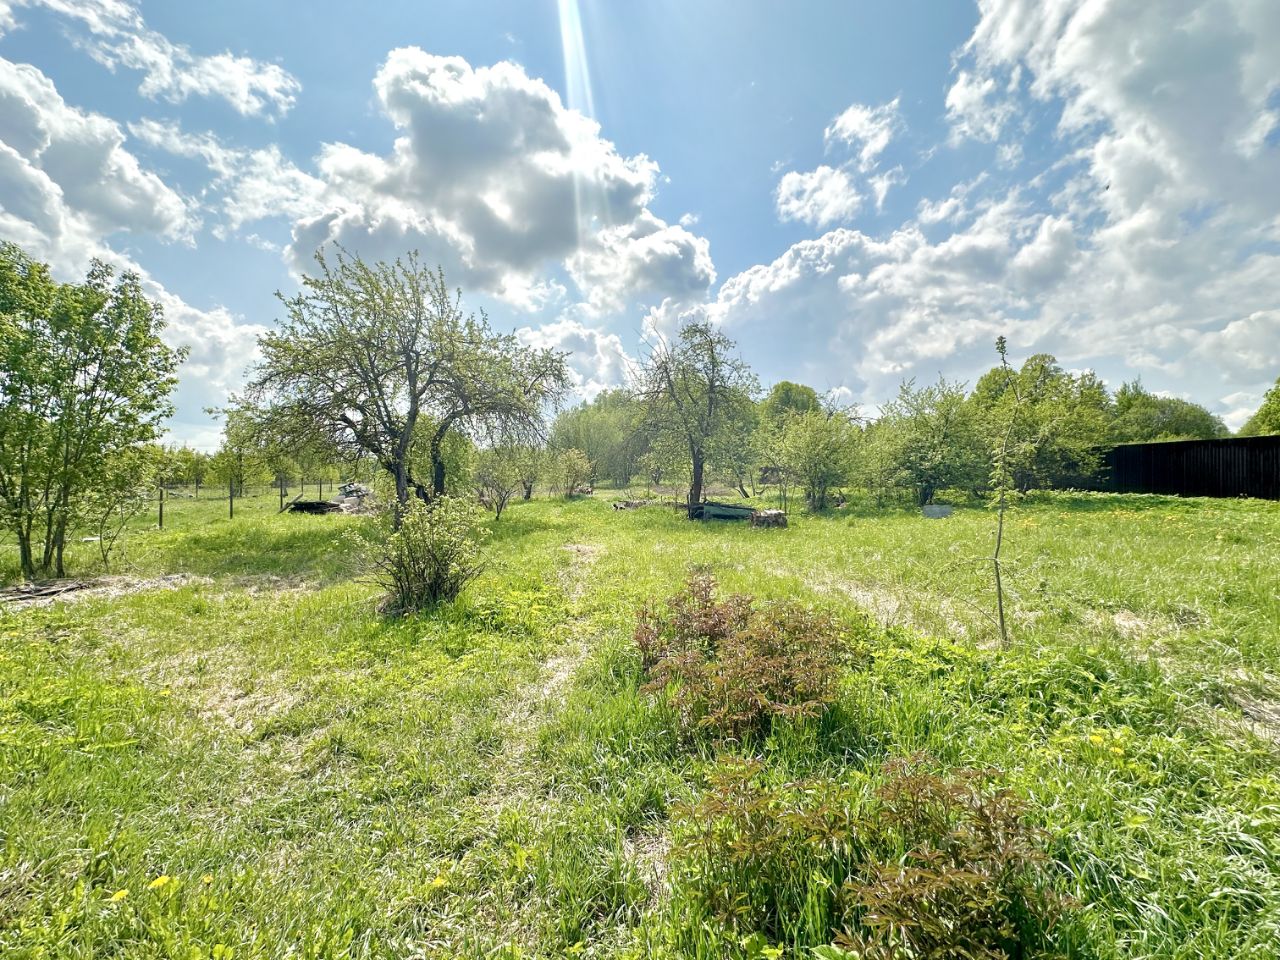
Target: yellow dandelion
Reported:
[(1118, 751), (161, 881), (439, 881), (207, 879), (1096, 739), (118, 896)]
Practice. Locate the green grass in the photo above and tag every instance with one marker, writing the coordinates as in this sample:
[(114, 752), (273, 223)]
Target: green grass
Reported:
[(317, 781)]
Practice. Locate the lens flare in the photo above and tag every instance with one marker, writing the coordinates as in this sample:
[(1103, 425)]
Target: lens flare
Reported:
[(587, 201)]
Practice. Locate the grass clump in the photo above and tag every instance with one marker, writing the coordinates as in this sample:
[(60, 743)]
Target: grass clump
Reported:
[(730, 667)]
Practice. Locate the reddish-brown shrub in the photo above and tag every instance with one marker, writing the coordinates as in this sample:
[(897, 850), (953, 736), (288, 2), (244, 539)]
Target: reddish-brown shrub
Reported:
[(968, 882), (731, 667)]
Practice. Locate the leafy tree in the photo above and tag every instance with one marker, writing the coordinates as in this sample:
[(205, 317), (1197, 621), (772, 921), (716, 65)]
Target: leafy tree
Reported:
[(242, 458), (607, 430), (573, 471), (83, 376), (817, 449), (927, 438), (786, 398), (529, 463), (123, 489), (1142, 416), (1266, 420), (368, 355), (1061, 427), (695, 391), (188, 467), (496, 478)]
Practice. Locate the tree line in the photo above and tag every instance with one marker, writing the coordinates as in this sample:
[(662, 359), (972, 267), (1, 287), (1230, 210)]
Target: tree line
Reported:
[(376, 370)]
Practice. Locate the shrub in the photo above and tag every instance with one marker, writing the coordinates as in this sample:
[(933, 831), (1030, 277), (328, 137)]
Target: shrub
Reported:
[(731, 666), (936, 865), (970, 882), (434, 554)]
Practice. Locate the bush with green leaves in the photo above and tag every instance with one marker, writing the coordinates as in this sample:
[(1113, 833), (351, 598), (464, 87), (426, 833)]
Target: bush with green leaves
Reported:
[(431, 557), (731, 667)]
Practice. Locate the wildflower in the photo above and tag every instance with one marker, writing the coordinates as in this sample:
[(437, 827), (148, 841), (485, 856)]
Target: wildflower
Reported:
[(1118, 751), (161, 881), (439, 881), (1096, 739), (118, 896), (207, 879)]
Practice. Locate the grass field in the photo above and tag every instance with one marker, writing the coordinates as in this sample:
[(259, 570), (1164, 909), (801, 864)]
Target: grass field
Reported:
[(246, 760)]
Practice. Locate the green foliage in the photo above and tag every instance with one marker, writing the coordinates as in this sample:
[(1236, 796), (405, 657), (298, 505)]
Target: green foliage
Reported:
[(932, 865), (430, 557), (607, 430), (1266, 419), (959, 873), (572, 471), (731, 667), (785, 399), (1061, 426), (496, 478), (1141, 416), (86, 376), (817, 451), (698, 397), (126, 486), (926, 439)]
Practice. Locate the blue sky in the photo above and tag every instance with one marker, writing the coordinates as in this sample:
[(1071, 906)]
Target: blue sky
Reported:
[(859, 193)]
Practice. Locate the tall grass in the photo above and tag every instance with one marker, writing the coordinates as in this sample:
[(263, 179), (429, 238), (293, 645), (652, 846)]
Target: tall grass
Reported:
[(490, 779)]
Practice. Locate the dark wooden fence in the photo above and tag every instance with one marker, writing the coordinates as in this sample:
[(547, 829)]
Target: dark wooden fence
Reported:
[(1237, 467)]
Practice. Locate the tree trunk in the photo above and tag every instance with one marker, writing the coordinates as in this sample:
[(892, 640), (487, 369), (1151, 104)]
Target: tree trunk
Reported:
[(59, 547), (528, 490), (401, 473), (437, 464), (25, 558), (926, 493), (695, 487)]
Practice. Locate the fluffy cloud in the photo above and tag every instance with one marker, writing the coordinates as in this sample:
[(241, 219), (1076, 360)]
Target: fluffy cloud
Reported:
[(865, 129), (59, 156), (828, 195), (495, 179), (67, 184), (1147, 244), (819, 198), (252, 184), (597, 360), (114, 33)]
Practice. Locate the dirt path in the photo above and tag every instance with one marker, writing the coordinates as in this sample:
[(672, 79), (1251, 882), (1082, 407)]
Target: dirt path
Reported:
[(535, 702)]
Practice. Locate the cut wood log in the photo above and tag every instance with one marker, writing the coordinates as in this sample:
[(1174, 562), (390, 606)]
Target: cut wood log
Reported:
[(768, 518)]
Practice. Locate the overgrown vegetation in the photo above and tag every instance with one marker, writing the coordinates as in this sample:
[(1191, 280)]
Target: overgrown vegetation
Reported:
[(428, 559), (488, 778), (730, 666)]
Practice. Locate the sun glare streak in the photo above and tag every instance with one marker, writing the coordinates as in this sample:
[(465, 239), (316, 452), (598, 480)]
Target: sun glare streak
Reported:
[(577, 76)]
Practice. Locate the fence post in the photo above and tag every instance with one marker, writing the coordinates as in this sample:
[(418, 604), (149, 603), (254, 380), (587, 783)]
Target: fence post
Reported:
[(162, 506), (231, 499)]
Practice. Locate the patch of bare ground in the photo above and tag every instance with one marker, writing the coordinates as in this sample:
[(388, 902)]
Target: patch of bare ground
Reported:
[(888, 606), (107, 587), (649, 852), (544, 695), (1258, 706), (239, 708)]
